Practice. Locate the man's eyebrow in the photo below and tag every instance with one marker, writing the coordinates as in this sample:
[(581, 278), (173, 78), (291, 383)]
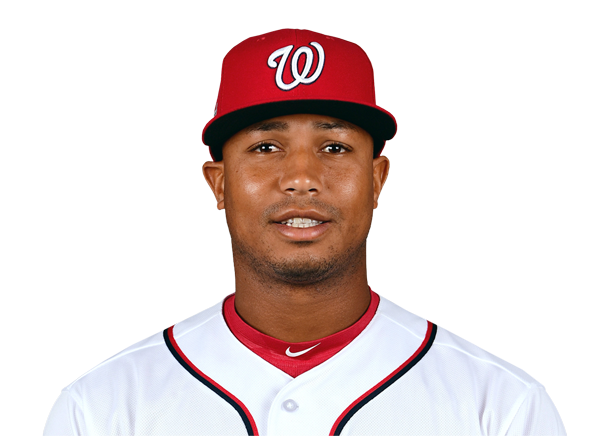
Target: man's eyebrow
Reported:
[(331, 125), (267, 126)]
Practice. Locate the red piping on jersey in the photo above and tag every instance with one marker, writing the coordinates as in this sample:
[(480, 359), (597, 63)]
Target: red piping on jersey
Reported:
[(210, 383), (386, 382)]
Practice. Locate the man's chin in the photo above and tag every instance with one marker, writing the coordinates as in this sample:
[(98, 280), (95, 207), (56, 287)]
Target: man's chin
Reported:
[(300, 268), (304, 271)]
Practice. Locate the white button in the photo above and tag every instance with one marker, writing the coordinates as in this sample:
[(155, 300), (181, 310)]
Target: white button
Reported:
[(290, 405)]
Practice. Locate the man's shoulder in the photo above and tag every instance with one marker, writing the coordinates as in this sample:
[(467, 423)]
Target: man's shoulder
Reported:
[(151, 351), (466, 388), (449, 344), (454, 352)]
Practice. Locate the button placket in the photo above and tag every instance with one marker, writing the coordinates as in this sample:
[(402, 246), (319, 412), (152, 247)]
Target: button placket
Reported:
[(286, 413)]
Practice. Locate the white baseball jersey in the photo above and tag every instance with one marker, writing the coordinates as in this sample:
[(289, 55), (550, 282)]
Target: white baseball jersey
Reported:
[(401, 375)]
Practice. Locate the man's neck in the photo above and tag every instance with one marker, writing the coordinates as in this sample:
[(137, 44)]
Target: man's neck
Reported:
[(300, 313)]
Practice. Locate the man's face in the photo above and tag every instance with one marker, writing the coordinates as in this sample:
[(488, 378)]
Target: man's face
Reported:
[(299, 193)]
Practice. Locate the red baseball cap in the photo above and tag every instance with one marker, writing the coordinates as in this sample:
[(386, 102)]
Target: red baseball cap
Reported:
[(293, 71)]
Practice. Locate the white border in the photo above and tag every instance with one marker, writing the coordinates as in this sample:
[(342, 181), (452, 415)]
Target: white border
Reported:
[(21, 155)]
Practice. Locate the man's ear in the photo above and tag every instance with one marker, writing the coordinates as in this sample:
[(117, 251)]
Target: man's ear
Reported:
[(214, 173), (381, 168)]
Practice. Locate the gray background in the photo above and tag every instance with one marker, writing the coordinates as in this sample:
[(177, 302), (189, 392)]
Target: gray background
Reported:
[(471, 228)]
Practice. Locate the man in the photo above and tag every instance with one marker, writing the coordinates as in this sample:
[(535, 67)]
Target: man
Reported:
[(303, 346)]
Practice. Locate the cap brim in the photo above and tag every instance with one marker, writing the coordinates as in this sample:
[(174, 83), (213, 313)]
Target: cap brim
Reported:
[(379, 123)]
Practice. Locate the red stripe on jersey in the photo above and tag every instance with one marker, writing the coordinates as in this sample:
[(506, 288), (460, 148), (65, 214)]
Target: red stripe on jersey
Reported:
[(209, 382), (304, 355), (386, 382)]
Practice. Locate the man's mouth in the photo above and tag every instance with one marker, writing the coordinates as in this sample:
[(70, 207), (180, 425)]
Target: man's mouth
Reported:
[(301, 222)]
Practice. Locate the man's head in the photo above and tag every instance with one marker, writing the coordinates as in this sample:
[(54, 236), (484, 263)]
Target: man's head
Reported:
[(295, 140)]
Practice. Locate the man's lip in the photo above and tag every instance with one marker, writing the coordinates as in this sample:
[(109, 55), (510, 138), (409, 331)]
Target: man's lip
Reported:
[(302, 234), (299, 213)]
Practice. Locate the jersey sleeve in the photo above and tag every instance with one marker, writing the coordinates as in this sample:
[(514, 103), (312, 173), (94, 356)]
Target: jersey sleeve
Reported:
[(62, 419), (537, 416)]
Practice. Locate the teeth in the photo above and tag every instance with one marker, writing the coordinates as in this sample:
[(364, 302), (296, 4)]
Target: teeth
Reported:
[(301, 222)]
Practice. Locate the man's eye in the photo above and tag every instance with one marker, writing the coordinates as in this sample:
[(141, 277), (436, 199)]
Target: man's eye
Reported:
[(265, 148), (335, 148)]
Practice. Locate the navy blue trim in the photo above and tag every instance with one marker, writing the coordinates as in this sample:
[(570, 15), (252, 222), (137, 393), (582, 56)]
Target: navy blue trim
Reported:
[(206, 382), (388, 383)]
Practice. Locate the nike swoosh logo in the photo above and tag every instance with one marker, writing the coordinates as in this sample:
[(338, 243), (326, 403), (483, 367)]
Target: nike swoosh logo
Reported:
[(299, 353)]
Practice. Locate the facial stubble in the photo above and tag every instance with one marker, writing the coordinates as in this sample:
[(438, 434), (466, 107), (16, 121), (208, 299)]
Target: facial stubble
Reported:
[(300, 268)]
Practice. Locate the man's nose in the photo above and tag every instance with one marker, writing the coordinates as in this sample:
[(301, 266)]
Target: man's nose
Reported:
[(302, 173)]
